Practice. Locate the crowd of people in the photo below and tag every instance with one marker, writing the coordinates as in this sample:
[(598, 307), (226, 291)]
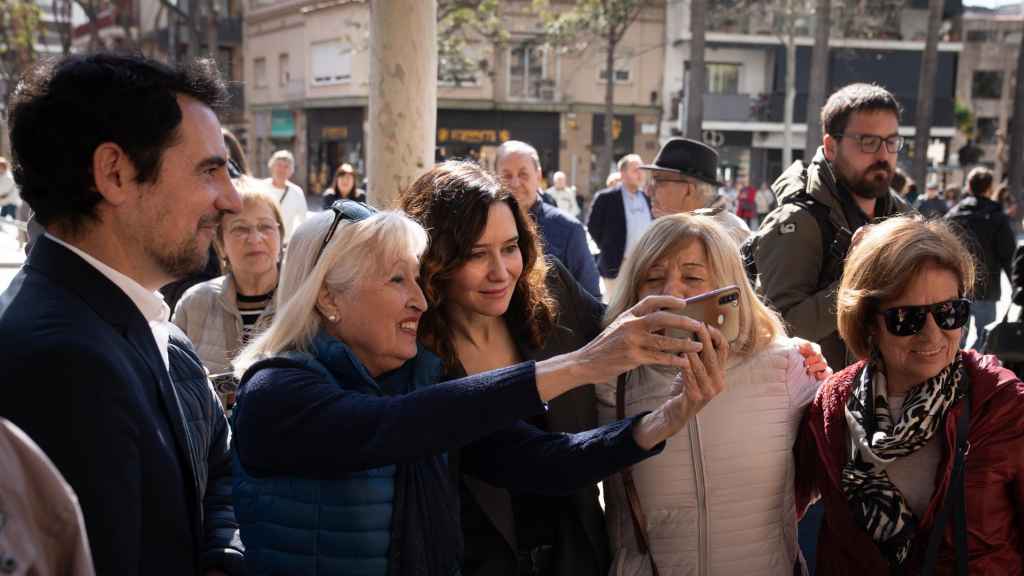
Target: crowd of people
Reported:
[(206, 378)]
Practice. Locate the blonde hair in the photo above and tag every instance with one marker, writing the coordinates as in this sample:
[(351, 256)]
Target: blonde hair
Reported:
[(358, 250), (885, 261), (251, 191), (759, 324)]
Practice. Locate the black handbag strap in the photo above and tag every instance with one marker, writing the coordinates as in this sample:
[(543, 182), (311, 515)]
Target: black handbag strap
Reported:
[(954, 499)]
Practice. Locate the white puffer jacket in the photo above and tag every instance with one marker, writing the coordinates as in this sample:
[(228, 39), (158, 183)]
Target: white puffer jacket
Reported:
[(208, 314), (719, 500)]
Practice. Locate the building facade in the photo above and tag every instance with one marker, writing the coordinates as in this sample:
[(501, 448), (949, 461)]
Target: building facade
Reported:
[(745, 58), (307, 66), (985, 86)]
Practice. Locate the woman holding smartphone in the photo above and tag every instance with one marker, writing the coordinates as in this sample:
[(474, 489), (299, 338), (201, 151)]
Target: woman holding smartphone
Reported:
[(720, 498), (494, 301)]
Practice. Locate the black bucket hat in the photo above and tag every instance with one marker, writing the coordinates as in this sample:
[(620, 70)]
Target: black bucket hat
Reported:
[(688, 158)]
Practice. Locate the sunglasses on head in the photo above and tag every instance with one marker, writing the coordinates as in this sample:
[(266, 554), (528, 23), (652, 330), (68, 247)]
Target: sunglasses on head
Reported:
[(348, 210), (909, 320)]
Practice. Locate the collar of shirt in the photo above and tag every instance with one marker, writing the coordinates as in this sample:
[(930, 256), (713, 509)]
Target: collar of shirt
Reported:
[(150, 304)]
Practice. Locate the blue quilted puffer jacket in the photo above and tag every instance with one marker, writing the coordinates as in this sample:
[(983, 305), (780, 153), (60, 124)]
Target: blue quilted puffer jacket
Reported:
[(301, 526)]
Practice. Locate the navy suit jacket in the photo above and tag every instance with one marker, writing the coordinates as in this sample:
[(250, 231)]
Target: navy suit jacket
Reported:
[(84, 378), (607, 226)]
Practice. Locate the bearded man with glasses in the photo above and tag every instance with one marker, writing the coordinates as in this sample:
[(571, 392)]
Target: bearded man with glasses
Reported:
[(798, 252)]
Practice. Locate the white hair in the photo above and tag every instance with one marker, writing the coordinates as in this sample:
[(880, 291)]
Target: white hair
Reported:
[(516, 147), (358, 250), (627, 159), (281, 155)]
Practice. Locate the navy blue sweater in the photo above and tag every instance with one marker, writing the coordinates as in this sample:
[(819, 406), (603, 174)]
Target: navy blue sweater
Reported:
[(285, 416)]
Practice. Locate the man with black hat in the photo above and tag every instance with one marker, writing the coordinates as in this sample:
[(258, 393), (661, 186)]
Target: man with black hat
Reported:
[(798, 252), (684, 178)]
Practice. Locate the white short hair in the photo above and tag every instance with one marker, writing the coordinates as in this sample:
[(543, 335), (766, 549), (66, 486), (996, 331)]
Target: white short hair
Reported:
[(627, 159), (281, 155), (516, 147)]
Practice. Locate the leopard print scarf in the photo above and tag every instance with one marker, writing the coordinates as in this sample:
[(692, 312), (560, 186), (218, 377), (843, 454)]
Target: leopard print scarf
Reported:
[(875, 441)]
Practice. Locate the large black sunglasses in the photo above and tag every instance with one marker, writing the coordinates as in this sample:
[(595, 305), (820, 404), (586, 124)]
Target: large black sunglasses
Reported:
[(909, 320), (349, 210)]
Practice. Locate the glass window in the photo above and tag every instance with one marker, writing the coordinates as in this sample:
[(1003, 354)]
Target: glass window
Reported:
[(526, 71), (331, 62), (259, 72), (987, 130), (987, 84), (622, 73), (283, 71), (723, 78)]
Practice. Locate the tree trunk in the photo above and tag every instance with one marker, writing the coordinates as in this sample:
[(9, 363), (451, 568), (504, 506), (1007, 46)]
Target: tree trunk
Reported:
[(1016, 160), (790, 101), (695, 89), (819, 72), (925, 93), (605, 158)]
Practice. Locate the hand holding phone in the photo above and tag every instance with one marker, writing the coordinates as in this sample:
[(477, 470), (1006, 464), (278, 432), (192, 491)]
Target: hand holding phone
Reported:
[(718, 308)]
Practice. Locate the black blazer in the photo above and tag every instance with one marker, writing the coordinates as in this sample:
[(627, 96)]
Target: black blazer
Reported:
[(84, 379), (495, 521), (607, 226)]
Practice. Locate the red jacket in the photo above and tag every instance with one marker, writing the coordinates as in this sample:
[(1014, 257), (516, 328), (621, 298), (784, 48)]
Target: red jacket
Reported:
[(994, 483)]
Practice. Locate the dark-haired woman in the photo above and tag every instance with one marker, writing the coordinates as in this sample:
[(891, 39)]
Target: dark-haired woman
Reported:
[(493, 302), (344, 187)]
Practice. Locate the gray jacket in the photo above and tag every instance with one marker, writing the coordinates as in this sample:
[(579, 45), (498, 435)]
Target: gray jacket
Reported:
[(208, 314), (790, 257)]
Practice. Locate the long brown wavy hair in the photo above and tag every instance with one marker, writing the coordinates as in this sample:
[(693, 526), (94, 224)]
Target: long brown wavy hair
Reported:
[(452, 201)]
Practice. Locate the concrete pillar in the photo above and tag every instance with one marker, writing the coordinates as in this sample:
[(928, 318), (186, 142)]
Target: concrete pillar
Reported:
[(403, 96)]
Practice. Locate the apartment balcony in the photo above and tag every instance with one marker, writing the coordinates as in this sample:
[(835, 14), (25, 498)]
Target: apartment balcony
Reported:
[(768, 107)]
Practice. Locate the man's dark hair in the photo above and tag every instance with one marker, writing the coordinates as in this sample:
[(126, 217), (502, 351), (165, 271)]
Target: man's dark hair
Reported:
[(835, 115), (63, 109), (979, 181)]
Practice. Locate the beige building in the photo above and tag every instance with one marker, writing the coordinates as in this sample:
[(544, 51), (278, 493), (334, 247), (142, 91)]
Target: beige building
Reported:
[(307, 71), (986, 80)]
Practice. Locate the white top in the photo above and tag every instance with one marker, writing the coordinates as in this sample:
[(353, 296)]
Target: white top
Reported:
[(914, 475), (8, 190), (150, 304), (293, 205), (638, 218), (566, 199)]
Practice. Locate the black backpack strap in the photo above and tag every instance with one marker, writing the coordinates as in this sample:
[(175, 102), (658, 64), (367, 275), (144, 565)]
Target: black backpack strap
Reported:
[(954, 499)]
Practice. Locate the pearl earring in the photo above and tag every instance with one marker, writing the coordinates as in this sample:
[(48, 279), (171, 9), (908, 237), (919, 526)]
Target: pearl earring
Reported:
[(332, 318)]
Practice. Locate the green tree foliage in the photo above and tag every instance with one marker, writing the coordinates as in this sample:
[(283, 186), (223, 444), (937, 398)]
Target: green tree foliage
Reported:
[(604, 22), (460, 24)]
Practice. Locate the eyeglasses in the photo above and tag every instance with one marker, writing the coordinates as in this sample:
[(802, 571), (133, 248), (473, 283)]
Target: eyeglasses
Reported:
[(909, 320), (349, 210), (243, 231), (870, 143)]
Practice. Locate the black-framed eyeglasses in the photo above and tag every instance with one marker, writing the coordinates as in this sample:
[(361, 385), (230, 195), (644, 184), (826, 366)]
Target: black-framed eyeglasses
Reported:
[(909, 320), (349, 210), (870, 143)]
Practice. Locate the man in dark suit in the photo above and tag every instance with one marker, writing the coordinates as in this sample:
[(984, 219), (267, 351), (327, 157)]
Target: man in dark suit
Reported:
[(123, 163), (618, 218)]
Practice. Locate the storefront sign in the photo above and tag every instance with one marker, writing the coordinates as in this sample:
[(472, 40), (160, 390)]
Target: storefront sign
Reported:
[(334, 132), (282, 124), (472, 136)]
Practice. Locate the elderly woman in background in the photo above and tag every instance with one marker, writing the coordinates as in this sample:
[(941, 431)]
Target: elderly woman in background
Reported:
[(344, 187), (719, 499), (342, 429), (917, 451), (221, 316)]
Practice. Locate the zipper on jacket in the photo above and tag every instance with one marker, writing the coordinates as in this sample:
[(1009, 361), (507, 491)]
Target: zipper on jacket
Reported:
[(697, 458)]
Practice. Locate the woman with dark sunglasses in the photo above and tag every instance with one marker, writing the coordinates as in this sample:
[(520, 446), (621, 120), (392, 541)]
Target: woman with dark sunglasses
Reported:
[(343, 431), (917, 451)]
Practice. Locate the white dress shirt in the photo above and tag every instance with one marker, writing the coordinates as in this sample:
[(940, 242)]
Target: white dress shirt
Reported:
[(150, 304), (638, 218)]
